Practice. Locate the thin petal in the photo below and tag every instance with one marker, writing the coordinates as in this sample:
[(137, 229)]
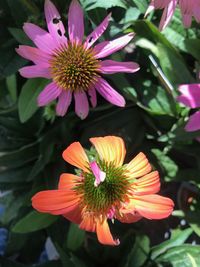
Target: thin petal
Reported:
[(148, 184), (35, 71), (93, 96), (68, 181), (193, 123), (88, 223), (54, 23), (76, 156), (34, 54), (107, 48), (167, 14), (75, 22), (129, 217), (48, 94), (110, 149), (104, 235), (109, 93), (99, 175), (64, 102), (190, 95), (94, 36), (111, 66), (74, 215), (138, 166), (55, 202), (42, 39), (153, 206), (81, 104)]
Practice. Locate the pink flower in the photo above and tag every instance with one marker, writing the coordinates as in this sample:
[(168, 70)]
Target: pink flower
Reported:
[(74, 67), (190, 97), (189, 9)]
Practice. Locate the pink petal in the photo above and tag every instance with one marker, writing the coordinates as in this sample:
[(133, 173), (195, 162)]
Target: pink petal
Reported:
[(167, 14), (34, 54), (42, 39), (81, 104), (187, 20), (99, 175), (94, 36), (111, 66), (107, 48), (75, 22), (48, 94), (93, 96), (54, 23), (35, 71), (64, 101), (193, 123), (190, 95), (109, 93)]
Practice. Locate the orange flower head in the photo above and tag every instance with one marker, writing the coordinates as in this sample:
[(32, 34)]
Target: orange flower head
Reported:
[(105, 189)]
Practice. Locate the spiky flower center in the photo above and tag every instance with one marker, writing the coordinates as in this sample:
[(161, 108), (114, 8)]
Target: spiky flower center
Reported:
[(107, 194), (74, 68)]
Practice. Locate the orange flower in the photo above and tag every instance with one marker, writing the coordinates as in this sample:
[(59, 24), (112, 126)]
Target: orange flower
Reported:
[(105, 189)]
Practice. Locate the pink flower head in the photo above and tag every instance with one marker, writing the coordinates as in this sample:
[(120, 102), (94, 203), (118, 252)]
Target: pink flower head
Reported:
[(190, 97), (189, 9), (72, 65)]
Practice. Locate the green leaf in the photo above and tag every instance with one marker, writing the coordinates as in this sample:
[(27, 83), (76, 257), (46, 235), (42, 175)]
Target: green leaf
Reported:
[(34, 221), (181, 256), (12, 86), (91, 4), (75, 237), (28, 98), (139, 252), (178, 238), (20, 36)]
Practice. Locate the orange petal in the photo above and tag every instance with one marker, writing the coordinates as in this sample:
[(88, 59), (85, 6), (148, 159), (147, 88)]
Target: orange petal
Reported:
[(55, 202), (138, 166), (68, 181), (129, 218), (76, 156), (88, 223), (104, 235), (153, 206), (148, 184), (74, 215), (110, 149)]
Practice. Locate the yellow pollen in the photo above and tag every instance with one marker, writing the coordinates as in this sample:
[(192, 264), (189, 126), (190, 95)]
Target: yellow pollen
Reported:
[(74, 68)]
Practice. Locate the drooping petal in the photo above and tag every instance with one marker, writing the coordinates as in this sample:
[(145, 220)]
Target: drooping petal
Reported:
[(190, 95), (138, 166), (111, 66), (110, 149), (68, 181), (64, 102), (109, 93), (129, 217), (93, 96), (54, 23), (35, 71), (94, 36), (48, 94), (42, 39), (187, 20), (107, 48), (75, 22), (167, 14), (104, 235), (56, 202), (193, 123), (153, 206), (76, 156), (34, 54), (148, 184), (81, 104), (74, 215), (88, 223)]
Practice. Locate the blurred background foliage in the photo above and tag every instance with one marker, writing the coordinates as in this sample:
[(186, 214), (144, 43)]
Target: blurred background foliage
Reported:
[(32, 139)]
